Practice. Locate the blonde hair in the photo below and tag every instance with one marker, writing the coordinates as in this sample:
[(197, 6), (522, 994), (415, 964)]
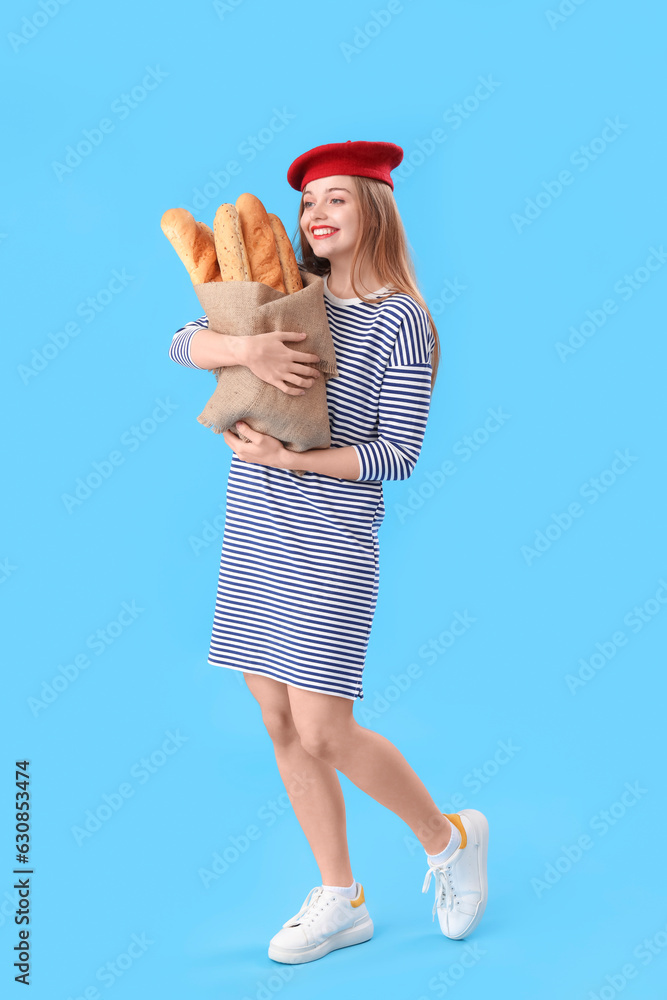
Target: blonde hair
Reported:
[(383, 241)]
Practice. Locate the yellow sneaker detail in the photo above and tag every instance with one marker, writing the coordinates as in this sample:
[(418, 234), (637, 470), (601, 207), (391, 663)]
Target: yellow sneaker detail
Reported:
[(360, 898), (456, 820)]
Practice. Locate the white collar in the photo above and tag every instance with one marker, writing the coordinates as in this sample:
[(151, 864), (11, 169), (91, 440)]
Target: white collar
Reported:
[(349, 302)]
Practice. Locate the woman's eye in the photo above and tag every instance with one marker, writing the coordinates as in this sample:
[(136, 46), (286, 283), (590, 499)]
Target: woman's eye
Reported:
[(307, 204)]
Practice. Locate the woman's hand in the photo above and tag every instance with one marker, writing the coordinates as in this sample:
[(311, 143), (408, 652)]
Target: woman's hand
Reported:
[(274, 362), (339, 463), (262, 448)]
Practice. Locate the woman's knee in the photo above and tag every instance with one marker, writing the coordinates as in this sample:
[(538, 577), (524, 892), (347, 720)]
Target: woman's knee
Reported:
[(274, 704), (325, 723), (279, 724), (321, 740)]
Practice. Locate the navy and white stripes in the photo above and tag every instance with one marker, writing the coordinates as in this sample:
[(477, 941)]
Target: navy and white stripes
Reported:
[(396, 435), (299, 567), (404, 402), (179, 349)]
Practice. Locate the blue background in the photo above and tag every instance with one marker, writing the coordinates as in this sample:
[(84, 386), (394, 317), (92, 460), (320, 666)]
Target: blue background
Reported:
[(558, 924)]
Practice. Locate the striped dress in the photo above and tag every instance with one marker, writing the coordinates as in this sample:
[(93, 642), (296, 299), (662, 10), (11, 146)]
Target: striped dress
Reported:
[(299, 568)]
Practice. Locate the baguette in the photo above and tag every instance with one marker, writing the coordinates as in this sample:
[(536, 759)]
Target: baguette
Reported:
[(290, 268), (230, 245), (260, 242), (193, 242)]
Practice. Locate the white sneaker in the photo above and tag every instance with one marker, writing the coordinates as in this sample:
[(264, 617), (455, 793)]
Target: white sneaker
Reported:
[(326, 921), (460, 882)]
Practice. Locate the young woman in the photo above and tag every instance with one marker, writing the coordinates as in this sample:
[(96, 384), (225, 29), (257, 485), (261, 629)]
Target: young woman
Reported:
[(299, 568)]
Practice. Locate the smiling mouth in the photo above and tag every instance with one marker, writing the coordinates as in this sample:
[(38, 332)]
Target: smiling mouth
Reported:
[(323, 232)]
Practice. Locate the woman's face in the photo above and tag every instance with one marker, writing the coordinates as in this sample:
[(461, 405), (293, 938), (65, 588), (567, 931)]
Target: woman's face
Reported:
[(331, 203)]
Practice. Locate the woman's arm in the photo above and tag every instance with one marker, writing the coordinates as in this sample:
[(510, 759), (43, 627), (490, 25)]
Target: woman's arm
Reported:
[(341, 463), (195, 346), (267, 355), (403, 408)]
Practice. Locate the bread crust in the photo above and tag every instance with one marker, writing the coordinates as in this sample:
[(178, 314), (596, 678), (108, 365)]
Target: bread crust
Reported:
[(245, 244), (193, 242), (260, 242), (290, 268), (230, 245)]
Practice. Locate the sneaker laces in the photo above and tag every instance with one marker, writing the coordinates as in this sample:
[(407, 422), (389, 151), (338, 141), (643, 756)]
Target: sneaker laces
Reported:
[(313, 904), (444, 887)]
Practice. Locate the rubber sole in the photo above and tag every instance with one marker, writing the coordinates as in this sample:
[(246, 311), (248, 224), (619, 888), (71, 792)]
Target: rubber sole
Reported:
[(357, 934), (481, 826)]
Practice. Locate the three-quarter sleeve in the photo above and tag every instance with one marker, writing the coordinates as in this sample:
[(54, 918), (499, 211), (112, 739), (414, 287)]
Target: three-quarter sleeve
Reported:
[(404, 403), (179, 349)]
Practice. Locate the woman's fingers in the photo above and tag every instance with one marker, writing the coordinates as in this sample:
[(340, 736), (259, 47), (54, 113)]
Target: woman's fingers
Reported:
[(279, 382), (307, 358), (290, 391), (277, 364), (305, 381), (301, 369), (295, 355)]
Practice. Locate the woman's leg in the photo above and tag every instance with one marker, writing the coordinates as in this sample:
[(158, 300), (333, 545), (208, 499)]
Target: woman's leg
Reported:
[(330, 733), (311, 784)]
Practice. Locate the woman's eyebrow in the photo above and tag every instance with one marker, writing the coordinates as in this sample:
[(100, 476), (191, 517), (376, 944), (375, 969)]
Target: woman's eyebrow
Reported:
[(328, 189)]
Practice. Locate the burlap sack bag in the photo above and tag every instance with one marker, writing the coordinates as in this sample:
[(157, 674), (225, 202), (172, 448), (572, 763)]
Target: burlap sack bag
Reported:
[(246, 308)]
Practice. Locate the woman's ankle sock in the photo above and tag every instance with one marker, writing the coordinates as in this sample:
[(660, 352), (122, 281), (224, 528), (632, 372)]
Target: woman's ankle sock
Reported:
[(453, 845), (349, 892)]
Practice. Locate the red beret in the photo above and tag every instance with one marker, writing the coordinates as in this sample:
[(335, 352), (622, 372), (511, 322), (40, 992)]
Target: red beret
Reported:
[(360, 159)]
